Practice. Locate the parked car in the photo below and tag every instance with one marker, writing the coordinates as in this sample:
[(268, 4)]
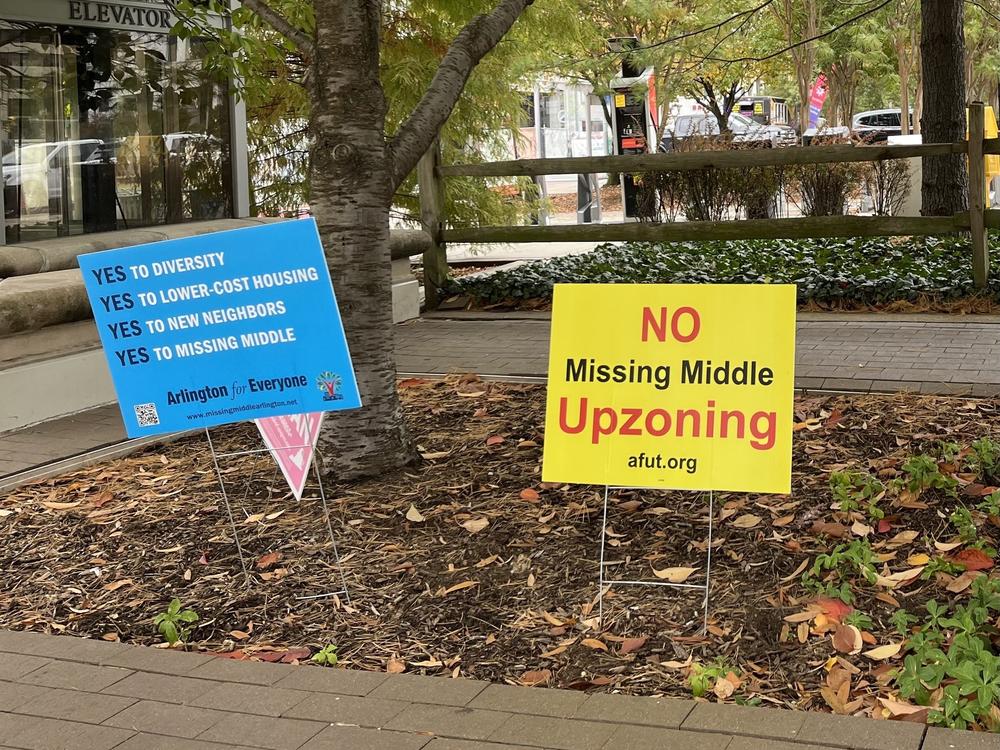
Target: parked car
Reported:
[(743, 129), (875, 126)]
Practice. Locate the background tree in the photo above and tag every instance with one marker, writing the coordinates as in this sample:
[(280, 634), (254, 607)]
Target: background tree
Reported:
[(942, 49), (362, 150)]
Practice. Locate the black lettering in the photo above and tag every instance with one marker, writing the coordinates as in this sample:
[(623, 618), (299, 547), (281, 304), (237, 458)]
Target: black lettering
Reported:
[(102, 13), (576, 372), (87, 8), (74, 10), (165, 19)]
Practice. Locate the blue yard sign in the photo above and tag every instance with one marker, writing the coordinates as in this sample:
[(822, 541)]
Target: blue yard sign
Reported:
[(224, 327)]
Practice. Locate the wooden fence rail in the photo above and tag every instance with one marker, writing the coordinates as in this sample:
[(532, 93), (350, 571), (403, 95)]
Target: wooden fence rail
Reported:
[(975, 221)]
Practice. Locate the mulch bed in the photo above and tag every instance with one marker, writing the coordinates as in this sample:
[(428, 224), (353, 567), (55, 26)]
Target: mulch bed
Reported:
[(466, 564)]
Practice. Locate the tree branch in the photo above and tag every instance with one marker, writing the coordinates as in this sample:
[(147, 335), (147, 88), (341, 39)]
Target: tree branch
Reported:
[(302, 41), (478, 37)]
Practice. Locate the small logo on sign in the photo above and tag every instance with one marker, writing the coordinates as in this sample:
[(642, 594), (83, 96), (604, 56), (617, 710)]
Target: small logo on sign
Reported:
[(329, 383)]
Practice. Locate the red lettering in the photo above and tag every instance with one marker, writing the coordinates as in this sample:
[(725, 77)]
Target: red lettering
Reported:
[(659, 327), (664, 417), (581, 419), (633, 416), (599, 428), (648, 321), (675, 327)]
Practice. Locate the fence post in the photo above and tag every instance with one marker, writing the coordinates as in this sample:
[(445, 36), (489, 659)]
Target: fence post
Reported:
[(977, 196), (431, 210)]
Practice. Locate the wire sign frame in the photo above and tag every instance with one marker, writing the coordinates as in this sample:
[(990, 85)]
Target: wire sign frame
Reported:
[(606, 583), (343, 590)]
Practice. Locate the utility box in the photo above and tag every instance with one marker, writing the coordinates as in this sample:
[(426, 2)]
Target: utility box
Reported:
[(634, 100)]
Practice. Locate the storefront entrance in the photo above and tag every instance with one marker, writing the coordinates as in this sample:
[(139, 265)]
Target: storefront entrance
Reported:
[(107, 128)]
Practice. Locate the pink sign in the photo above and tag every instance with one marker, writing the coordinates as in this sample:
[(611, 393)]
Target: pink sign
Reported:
[(291, 440)]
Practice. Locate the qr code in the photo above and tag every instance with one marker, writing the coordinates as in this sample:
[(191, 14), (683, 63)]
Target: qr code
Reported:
[(146, 415)]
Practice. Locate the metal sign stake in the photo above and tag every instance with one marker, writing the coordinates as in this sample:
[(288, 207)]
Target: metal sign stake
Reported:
[(606, 584), (232, 520)]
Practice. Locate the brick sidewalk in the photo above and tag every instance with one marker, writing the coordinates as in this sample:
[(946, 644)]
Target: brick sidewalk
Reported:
[(65, 693), (939, 354)]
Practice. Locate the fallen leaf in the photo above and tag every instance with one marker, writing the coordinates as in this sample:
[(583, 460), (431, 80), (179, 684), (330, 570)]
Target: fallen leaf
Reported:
[(239, 635), (266, 561), (962, 582), (414, 515), (487, 561), (746, 521), (51, 505), (804, 616), (536, 677), (903, 537), (883, 652), (918, 559), (494, 440), (674, 575), (947, 546), (860, 529), (475, 525), (783, 521), (117, 584), (530, 495), (847, 639), (835, 530), (395, 666), (972, 559), (436, 455), (594, 644), (458, 587), (834, 608), (631, 644)]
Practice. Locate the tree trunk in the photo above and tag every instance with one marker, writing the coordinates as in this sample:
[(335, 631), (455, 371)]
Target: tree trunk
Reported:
[(351, 194), (942, 49)]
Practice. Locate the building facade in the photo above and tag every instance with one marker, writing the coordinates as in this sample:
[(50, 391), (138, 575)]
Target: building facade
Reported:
[(109, 122)]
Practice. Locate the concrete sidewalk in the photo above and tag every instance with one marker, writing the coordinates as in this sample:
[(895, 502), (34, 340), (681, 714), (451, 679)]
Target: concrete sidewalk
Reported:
[(934, 354), (65, 693)]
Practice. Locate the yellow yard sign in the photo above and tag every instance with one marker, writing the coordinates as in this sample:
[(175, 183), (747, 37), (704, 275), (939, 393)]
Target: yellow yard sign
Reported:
[(684, 386)]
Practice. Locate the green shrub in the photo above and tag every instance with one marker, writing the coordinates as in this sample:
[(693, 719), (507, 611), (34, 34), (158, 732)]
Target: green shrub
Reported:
[(866, 271)]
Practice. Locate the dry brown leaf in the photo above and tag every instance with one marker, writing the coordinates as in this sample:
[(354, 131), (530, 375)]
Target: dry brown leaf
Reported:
[(475, 525), (631, 644), (674, 575), (51, 505), (459, 587), (530, 495), (117, 584), (847, 639), (884, 652), (395, 666), (594, 644), (746, 521), (414, 515), (536, 677), (266, 561)]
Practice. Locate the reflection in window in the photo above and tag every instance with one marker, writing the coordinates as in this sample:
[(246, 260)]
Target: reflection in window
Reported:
[(105, 129)]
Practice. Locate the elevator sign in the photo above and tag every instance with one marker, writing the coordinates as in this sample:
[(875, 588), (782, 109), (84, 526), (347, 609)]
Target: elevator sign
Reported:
[(222, 327), (680, 386)]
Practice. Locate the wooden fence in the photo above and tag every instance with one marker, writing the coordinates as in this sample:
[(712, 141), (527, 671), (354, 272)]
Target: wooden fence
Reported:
[(436, 234)]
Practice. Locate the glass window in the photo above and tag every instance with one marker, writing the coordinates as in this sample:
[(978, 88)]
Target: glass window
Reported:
[(108, 129)]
